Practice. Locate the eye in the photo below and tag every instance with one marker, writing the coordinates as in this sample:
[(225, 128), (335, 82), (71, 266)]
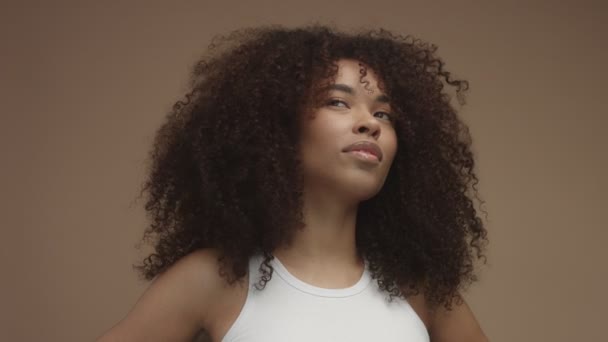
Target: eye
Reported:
[(333, 101), (388, 116)]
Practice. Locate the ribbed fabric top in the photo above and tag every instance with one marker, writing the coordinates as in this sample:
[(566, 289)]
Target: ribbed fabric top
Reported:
[(297, 284), (288, 309)]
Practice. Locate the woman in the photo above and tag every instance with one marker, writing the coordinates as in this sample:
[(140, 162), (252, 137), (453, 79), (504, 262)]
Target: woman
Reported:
[(335, 160)]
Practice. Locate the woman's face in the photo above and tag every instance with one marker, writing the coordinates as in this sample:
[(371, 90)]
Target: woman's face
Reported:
[(353, 112)]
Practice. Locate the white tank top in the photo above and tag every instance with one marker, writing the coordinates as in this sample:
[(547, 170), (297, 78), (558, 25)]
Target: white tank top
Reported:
[(288, 309)]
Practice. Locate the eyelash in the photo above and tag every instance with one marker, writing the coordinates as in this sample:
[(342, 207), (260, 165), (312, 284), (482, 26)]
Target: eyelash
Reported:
[(389, 115)]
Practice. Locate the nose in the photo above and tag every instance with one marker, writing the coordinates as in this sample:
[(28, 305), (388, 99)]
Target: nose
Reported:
[(367, 124)]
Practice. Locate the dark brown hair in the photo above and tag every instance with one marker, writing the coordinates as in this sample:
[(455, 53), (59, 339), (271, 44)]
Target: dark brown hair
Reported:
[(224, 169)]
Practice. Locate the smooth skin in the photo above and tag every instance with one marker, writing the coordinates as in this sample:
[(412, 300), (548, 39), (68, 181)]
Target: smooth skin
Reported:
[(188, 296)]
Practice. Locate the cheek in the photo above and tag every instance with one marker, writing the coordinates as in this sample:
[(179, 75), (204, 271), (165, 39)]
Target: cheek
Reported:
[(392, 148), (391, 153), (324, 132), (392, 158)]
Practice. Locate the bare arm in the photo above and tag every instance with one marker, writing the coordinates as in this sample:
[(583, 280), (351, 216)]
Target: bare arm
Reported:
[(174, 307), (456, 325)]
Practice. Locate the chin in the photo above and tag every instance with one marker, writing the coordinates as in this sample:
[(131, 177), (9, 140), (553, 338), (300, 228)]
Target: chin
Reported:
[(369, 195), (362, 192)]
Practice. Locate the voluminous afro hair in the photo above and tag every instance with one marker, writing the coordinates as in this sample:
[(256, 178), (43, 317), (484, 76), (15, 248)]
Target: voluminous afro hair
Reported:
[(224, 168)]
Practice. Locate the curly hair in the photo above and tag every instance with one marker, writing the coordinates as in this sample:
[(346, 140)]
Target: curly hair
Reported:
[(224, 167)]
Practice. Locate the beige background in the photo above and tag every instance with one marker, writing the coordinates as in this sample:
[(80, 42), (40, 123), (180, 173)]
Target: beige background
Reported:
[(84, 86)]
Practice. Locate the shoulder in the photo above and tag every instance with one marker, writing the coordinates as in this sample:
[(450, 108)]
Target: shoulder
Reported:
[(198, 275), (201, 264), (176, 304), (419, 305), (455, 325)]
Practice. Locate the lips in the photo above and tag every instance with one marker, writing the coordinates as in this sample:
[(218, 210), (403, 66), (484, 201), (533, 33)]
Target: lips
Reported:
[(365, 146)]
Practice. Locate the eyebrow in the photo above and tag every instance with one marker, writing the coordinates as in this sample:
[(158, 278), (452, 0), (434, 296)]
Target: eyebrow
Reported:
[(347, 89)]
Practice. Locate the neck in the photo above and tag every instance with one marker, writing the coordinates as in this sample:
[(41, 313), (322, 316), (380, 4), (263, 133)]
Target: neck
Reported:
[(328, 239)]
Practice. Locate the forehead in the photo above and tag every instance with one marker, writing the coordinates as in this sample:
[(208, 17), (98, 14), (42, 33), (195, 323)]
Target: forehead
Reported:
[(357, 79), (349, 79), (350, 72)]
